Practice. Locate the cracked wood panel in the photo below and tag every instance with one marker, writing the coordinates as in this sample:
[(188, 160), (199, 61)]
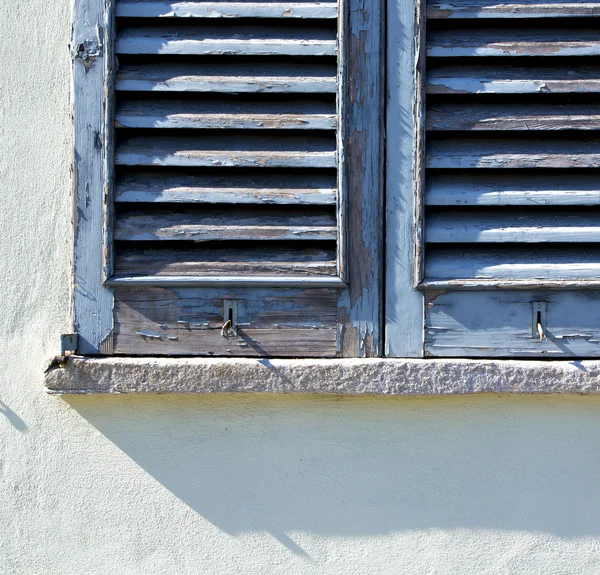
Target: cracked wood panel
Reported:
[(214, 39), (268, 9), (188, 321), (229, 78), (92, 69), (537, 79), (462, 9), (501, 324)]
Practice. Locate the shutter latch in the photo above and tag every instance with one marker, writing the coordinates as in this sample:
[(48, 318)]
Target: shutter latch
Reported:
[(230, 312), (538, 328)]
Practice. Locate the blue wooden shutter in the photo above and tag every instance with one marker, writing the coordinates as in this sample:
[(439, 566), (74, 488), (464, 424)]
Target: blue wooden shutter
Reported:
[(240, 155), (508, 206)]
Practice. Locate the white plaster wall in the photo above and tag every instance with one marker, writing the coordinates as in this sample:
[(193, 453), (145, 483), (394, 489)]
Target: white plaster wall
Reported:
[(255, 484)]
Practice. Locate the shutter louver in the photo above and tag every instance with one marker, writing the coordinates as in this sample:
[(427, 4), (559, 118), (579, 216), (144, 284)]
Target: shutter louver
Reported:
[(512, 187)]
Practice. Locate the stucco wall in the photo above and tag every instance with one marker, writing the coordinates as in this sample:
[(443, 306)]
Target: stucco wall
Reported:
[(247, 484)]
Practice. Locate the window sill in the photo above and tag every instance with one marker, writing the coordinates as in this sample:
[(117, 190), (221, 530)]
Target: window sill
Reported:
[(83, 375)]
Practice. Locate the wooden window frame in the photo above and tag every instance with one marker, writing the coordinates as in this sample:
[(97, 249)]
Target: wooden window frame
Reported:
[(360, 148)]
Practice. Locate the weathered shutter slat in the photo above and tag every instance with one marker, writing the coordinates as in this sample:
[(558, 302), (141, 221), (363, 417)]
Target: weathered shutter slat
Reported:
[(235, 151), (150, 9), (257, 224), (499, 189), (531, 226), (223, 114), (511, 116), (227, 77), (227, 40), (279, 187), (513, 263), (518, 43), (554, 79), (511, 228), (277, 260), (461, 9), (513, 153)]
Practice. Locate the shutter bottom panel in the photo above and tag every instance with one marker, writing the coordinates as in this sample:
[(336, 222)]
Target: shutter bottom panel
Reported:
[(189, 321), (504, 324)]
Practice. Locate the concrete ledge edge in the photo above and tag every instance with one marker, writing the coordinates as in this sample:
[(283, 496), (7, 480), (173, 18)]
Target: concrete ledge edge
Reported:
[(398, 377)]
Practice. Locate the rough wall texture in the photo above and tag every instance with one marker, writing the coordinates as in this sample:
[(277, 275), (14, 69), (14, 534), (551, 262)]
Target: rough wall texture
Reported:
[(247, 484)]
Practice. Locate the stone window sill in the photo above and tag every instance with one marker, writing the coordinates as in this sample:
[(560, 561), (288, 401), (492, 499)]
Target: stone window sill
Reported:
[(82, 375)]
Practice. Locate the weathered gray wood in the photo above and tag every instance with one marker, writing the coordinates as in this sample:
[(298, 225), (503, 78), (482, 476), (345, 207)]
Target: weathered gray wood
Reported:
[(499, 323), (513, 80), (241, 40), (516, 42), (278, 187), (513, 189), (226, 225), (513, 153), (264, 260), (229, 150), (443, 9), (227, 114), (188, 321), (300, 78), (404, 304), (510, 116), (173, 9), (467, 226), (360, 307), (222, 281), (92, 60), (535, 263)]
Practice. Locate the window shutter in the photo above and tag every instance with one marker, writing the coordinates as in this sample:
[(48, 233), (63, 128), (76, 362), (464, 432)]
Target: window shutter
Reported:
[(240, 155), (508, 209)]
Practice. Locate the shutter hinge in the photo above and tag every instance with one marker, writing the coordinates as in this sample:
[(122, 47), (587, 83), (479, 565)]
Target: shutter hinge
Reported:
[(68, 343)]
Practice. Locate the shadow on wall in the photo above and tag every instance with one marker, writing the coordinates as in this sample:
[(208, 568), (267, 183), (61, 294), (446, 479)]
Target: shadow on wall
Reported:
[(366, 466)]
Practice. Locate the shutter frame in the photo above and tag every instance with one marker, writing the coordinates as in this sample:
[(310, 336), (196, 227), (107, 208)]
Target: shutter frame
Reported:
[(356, 290)]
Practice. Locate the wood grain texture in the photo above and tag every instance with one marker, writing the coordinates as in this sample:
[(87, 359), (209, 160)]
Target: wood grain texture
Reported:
[(510, 116), (223, 114), (92, 303), (188, 321), (499, 324), (174, 9), (234, 259), (275, 187), (512, 153), (513, 189), (482, 79), (228, 150), (462, 9), (242, 40), (519, 42), (404, 304), (468, 226), (257, 224), (360, 306), (302, 78)]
